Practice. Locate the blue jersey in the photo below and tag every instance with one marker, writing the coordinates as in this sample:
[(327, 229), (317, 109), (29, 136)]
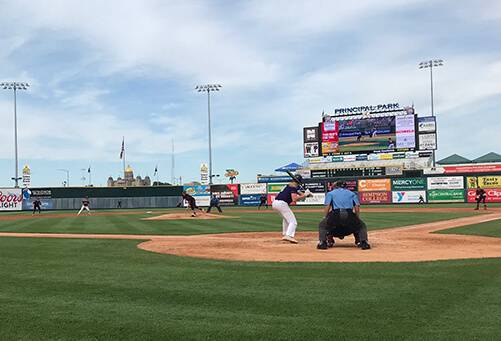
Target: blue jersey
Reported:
[(341, 198), (286, 194)]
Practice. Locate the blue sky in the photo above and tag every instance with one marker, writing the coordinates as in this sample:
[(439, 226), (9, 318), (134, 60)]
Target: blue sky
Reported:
[(102, 70)]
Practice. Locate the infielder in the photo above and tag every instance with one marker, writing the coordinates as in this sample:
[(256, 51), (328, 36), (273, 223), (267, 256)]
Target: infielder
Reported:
[(340, 220), (37, 206), (480, 196), (281, 204), (85, 206), (263, 201)]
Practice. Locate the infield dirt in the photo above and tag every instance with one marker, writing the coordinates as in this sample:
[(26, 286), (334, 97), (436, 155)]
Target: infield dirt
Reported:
[(402, 244)]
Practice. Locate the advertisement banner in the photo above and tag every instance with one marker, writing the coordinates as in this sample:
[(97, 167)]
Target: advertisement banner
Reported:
[(472, 169), (316, 199), (446, 182), (330, 137), (427, 124), (252, 188), (493, 195), (407, 197), (227, 194), (405, 127), (201, 190), (273, 178), (276, 188), (305, 173), (408, 184), (311, 149), (250, 199), (37, 193), (201, 201), (204, 173), (350, 185), (310, 134), (11, 199), (393, 170), (26, 176), (374, 185), (315, 187), (428, 141), (47, 204), (493, 181), (446, 195), (349, 158), (375, 197)]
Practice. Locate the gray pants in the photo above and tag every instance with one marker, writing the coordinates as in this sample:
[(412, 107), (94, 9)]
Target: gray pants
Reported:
[(341, 223)]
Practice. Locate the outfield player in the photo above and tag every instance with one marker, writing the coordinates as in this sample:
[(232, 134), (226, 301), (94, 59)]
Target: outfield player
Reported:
[(480, 196), (342, 218), (85, 206), (37, 205), (281, 204)]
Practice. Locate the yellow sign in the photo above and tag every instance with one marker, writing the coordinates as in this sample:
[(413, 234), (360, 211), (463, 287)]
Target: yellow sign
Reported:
[(472, 181), (493, 181)]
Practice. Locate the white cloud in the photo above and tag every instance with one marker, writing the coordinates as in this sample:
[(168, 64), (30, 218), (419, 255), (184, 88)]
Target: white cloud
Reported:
[(160, 38)]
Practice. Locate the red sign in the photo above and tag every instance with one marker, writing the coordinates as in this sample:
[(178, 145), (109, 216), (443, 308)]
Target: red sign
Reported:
[(234, 189), (375, 197), (493, 195), (350, 184), (472, 169), (330, 137), (330, 131)]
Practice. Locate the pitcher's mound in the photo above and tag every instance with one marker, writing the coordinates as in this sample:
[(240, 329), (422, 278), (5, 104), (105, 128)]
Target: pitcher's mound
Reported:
[(180, 216)]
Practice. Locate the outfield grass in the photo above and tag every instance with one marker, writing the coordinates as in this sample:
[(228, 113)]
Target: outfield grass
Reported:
[(246, 221), (67, 289), (101, 289), (489, 229)]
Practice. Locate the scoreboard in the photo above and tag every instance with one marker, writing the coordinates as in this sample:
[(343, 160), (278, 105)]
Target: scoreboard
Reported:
[(348, 172)]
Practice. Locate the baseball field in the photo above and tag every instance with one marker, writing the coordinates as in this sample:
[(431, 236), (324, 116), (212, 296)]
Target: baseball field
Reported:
[(433, 272)]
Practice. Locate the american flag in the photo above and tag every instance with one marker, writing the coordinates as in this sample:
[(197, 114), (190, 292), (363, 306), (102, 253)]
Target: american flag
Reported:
[(123, 149)]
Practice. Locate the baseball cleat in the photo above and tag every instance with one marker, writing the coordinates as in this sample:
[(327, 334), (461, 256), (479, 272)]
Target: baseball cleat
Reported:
[(364, 245), (322, 246), (289, 239)]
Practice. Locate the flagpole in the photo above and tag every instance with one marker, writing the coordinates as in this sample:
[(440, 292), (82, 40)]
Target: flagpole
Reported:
[(123, 144)]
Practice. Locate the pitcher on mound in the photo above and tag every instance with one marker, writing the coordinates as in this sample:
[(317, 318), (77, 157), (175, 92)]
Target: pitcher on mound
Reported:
[(281, 204)]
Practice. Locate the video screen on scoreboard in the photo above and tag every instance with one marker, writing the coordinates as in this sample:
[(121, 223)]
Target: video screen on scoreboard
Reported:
[(375, 134)]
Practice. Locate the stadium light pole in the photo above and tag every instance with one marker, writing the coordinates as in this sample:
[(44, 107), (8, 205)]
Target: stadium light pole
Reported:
[(67, 176), (430, 64), (209, 88), (15, 86)]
